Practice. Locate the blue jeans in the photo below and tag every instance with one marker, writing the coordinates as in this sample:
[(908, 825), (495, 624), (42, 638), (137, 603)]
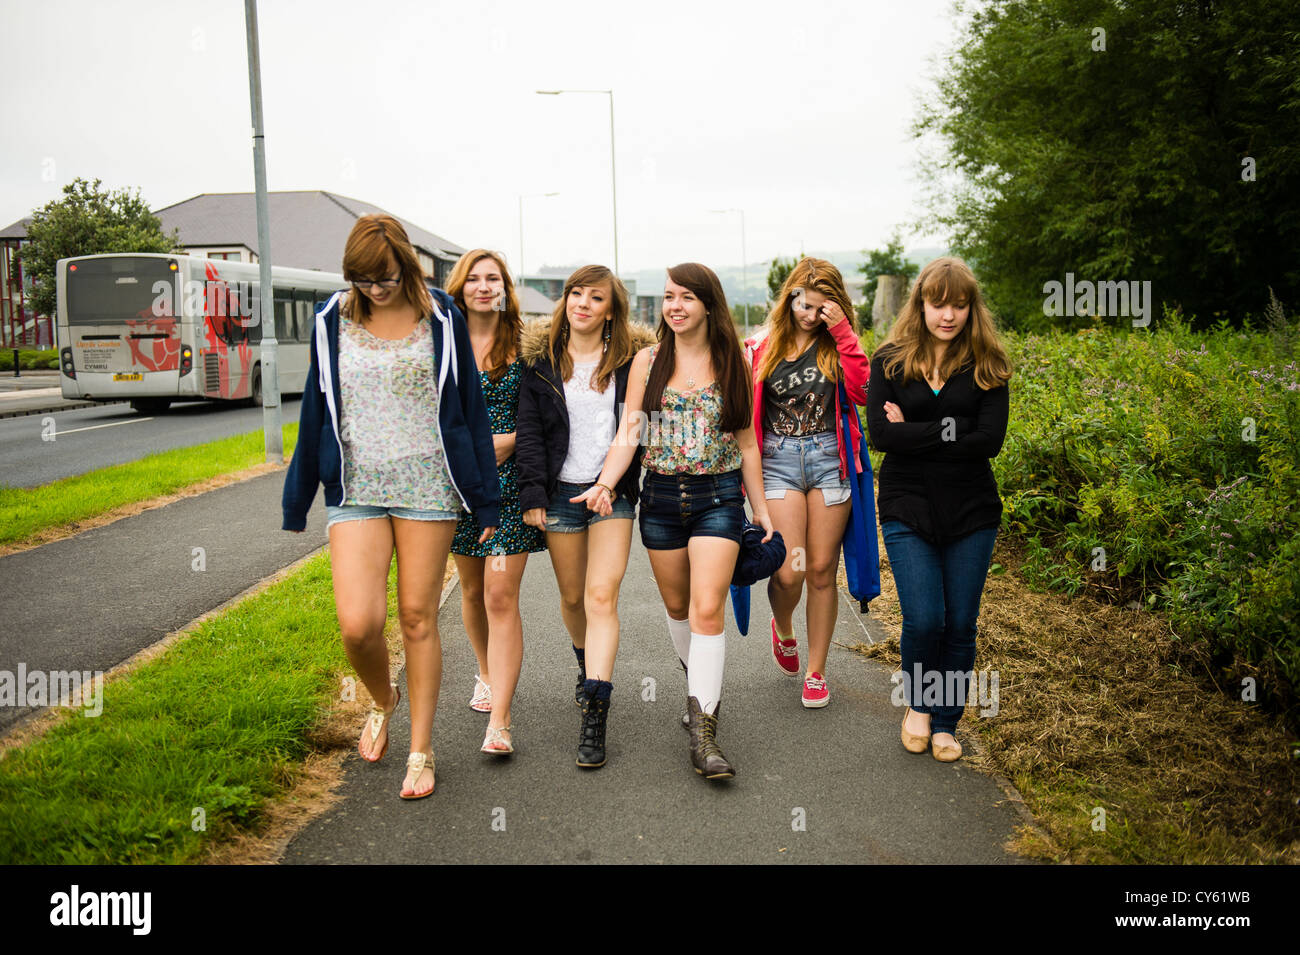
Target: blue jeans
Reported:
[(939, 592), (565, 517)]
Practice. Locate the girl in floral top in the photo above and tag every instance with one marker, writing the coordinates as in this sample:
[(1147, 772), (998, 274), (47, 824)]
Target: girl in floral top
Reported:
[(693, 390), (490, 573)]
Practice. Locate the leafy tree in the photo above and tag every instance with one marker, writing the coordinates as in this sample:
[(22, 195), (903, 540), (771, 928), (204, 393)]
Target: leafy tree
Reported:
[(1123, 155), (886, 261), (88, 220), (778, 272)]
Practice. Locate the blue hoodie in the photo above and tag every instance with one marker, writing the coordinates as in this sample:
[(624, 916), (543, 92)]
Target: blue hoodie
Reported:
[(464, 428)]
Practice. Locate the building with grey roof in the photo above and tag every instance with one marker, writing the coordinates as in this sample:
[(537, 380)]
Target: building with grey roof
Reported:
[(308, 231)]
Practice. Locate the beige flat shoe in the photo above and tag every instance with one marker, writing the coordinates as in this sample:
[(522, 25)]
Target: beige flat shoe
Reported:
[(912, 742), (945, 752)]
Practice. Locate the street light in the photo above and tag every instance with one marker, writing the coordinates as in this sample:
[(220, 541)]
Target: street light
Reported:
[(613, 178), (519, 272), (744, 268)]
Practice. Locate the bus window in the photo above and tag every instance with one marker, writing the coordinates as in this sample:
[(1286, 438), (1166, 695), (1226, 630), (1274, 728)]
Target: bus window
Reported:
[(284, 315), (304, 313)]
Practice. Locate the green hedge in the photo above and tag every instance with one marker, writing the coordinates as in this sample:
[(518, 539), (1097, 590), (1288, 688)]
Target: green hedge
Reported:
[(1177, 453), (29, 359)]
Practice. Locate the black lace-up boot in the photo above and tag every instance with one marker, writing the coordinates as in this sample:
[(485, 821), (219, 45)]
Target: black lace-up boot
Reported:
[(595, 714)]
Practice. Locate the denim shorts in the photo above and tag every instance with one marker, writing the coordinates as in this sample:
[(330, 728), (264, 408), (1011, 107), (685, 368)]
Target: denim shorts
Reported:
[(565, 517), (801, 463), (367, 512), (677, 507)]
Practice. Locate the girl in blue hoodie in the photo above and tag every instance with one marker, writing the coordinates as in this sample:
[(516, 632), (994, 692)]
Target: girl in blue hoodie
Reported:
[(393, 423)]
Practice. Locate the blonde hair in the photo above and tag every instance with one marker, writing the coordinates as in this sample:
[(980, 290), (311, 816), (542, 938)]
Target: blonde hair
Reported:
[(945, 281), (510, 322), (808, 275)]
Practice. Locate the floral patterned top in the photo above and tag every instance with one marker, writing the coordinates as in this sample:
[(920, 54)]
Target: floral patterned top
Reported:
[(392, 452), (685, 436)]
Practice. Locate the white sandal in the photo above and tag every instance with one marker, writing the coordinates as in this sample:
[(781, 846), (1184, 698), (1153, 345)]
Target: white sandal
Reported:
[(497, 734), (481, 701)]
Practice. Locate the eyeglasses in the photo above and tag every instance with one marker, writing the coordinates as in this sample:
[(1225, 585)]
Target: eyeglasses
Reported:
[(362, 285)]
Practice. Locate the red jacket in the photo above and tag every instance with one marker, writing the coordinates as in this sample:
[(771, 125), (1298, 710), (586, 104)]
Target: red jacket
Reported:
[(856, 371)]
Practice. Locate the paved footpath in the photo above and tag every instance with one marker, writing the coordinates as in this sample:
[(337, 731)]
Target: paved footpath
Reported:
[(830, 785), (839, 774)]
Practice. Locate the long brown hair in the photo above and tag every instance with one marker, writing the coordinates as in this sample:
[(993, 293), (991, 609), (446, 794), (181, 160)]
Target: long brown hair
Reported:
[(944, 281), (809, 275), (617, 334), (510, 322), (728, 360), (375, 244)]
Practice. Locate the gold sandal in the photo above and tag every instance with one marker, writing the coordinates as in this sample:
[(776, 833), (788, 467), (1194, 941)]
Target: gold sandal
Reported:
[(417, 763), (378, 723)]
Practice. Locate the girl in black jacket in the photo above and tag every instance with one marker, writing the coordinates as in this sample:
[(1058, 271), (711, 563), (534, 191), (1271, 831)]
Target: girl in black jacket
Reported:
[(937, 405), (569, 402)]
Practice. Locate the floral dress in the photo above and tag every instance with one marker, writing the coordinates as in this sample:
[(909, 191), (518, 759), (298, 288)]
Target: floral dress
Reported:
[(685, 436), (513, 536)]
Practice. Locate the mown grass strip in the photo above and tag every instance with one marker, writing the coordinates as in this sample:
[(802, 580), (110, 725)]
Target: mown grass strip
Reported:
[(210, 731), (28, 511)]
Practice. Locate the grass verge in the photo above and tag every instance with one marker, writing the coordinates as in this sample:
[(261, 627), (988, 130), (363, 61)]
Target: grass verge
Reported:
[(1097, 708), (26, 513), (191, 747)]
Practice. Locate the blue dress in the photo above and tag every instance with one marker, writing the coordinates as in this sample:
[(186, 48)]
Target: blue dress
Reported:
[(513, 536)]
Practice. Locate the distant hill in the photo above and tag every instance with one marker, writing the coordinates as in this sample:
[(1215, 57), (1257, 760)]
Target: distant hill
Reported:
[(650, 281)]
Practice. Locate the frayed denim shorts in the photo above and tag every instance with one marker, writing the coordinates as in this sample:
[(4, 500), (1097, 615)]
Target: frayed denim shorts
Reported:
[(565, 517), (677, 507), (801, 463), (368, 512)]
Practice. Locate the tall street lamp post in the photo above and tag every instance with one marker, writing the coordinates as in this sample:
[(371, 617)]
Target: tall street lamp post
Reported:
[(613, 178)]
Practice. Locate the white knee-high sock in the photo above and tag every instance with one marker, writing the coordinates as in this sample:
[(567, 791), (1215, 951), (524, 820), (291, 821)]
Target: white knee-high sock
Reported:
[(680, 631), (704, 673)]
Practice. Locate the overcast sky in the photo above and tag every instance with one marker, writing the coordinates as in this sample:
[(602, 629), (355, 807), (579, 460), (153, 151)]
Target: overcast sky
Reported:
[(797, 112)]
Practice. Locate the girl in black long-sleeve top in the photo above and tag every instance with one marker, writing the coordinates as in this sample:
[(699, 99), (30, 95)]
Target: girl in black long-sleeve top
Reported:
[(937, 405)]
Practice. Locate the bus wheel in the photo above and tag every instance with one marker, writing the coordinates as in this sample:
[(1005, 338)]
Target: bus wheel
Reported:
[(150, 406), (255, 394)]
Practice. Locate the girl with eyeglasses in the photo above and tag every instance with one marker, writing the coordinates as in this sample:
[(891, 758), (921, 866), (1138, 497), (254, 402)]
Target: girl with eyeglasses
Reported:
[(393, 424)]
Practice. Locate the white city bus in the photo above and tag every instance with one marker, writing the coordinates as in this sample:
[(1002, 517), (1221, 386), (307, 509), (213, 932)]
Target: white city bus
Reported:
[(155, 328)]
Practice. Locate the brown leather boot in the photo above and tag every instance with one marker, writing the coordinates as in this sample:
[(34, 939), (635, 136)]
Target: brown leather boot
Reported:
[(705, 755)]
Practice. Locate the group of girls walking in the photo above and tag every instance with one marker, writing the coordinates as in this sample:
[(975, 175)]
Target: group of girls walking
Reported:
[(438, 422)]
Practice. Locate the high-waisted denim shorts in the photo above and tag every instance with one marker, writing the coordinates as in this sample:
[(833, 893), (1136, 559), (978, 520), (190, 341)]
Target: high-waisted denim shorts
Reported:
[(801, 463), (366, 512), (565, 517), (677, 507)]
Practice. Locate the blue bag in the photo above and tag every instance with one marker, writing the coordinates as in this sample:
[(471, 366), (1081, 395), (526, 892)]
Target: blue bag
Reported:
[(861, 547)]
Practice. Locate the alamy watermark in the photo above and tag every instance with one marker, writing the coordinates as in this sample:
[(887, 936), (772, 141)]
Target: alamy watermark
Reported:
[(1103, 299), (946, 688), (71, 688)]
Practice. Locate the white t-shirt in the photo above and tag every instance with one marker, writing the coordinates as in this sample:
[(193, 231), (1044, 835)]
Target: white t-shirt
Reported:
[(592, 424)]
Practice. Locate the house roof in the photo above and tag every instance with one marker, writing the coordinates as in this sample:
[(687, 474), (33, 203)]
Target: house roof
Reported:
[(16, 230), (308, 228), (533, 302)]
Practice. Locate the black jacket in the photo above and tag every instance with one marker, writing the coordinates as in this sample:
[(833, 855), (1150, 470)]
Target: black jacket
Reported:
[(542, 425), (940, 485)]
